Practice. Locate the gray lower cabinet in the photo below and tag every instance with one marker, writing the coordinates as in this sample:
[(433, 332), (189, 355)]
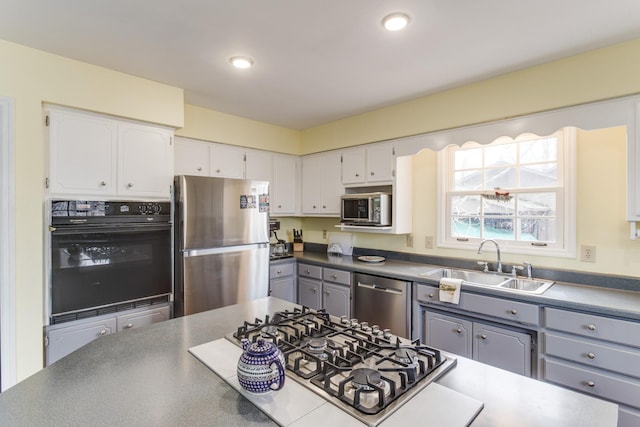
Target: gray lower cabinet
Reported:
[(487, 343), (323, 287), (65, 338), (496, 331), (282, 281), (595, 355)]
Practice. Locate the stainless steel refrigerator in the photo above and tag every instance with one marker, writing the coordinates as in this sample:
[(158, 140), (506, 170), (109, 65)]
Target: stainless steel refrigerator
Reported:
[(221, 242)]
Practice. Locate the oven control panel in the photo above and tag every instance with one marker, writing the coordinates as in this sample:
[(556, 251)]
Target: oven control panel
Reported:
[(75, 208)]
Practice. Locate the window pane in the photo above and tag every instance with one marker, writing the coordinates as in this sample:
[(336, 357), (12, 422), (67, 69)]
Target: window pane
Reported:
[(538, 229), (498, 207), (500, 155), (537, 204), (499, 228), (465, 227), (468, 159), (543, 175), (500, 178), (465, 205), (540, 150), (467, 180)]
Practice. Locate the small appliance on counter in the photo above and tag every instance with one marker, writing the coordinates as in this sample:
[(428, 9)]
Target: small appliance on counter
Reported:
[(280, 249), (340, 244)]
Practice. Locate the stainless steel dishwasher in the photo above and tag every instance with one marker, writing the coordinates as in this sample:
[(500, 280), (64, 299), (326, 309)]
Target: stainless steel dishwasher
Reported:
[(384, 302)]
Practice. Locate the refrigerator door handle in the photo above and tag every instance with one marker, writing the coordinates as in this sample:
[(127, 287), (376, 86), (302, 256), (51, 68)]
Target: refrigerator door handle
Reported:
[(223, 249)]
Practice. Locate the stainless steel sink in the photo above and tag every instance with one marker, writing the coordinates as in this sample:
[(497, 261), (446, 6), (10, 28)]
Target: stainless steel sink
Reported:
[(532, 286), (479, 278), (469, 276)]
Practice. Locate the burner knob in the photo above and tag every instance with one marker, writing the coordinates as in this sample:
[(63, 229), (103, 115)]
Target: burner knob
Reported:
[(354, 323), (365, 326), (387, 334), (344, 320), (375, 329)]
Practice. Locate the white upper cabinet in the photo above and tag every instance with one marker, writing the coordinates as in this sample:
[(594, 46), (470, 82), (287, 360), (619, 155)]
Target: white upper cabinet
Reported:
[(321, 184), (96, 156), (284, 191), (226, 161), (191, 157), (145, 161), (372, 165), (258, 165)]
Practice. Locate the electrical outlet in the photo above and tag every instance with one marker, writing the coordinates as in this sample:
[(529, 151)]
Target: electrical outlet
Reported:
[(324, 234), (409, 240), (587, 253), (428, 242)]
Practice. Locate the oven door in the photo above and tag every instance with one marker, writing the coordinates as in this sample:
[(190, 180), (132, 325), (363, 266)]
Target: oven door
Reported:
[(96, 266)]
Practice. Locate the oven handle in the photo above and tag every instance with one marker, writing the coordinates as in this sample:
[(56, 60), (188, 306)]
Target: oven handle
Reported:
[(378, 288), (122, 228)]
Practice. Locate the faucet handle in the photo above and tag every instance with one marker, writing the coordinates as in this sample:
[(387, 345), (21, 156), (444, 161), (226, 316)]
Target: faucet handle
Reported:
[(515, 268), (529, 268), (485, 264)]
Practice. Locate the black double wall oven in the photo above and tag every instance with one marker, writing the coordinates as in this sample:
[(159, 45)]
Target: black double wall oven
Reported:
[(108, 256)]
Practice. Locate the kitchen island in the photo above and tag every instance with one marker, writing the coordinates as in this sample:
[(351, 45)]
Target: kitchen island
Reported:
[(147, 377)]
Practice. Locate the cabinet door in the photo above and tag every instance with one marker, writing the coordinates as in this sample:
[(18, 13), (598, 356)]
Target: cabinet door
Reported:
[(258, 166), (191, 157), (448, 333), (502, 348), (310, 293), (82, 154), (226, 161), (64, 340), (331, 183), (337, 299), (142, 318), (380, 163), (311, 185), (284, 191), (283, 288), (145, 161), (353, 166)]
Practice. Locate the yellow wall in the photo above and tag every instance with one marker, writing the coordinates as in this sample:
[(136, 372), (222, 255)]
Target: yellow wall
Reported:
[(208, 125), (596, 75), (601, 217)]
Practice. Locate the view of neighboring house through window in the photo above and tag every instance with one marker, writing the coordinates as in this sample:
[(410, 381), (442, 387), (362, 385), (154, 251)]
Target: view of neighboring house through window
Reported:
[(514, 191)]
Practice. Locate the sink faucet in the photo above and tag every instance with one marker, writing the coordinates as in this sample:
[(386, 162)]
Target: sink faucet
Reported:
[(499, 266)]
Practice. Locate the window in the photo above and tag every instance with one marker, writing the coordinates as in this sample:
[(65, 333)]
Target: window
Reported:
[(519, 192)]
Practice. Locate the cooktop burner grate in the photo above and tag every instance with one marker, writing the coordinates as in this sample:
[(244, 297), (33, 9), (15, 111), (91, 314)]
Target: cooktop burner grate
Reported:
[(363, 370)]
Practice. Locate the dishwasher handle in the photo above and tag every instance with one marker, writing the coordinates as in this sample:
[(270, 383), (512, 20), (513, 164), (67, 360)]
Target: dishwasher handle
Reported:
[(379, 288)]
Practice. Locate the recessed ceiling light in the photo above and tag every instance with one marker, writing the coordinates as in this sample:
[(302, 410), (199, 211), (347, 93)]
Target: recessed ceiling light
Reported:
[(395, 21), (241, 61)]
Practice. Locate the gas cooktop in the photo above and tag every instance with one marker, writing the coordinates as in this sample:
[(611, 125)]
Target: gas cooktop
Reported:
[(362, 369)]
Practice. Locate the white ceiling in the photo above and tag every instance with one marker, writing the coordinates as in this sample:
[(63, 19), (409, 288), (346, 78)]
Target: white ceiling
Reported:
[(315, 60)]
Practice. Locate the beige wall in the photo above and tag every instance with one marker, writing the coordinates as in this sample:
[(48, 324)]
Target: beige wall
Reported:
[(208, 125), (596, 75)]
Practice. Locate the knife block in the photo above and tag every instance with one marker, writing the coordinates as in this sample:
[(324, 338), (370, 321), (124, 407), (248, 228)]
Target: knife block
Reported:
[(298, 246)]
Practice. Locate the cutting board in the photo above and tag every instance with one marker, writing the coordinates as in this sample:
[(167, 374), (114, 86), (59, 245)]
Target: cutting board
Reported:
[(296, 406)]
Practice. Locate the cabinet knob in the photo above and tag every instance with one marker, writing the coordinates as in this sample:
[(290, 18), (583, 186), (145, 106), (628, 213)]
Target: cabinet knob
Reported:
[(199, 169), (591, 355), (326, 292), (129, 185), (591, 384), (278, 272), (324, 206), (307, 271), (217, 170), (128, 326), (430, 296), (314, 290), (103, 184), (357, 175), (591, 327), (458, 331), (279, 206), (372, 173), (103, 332), (334, 277), (314, 206), (483, 336), (513, 311)]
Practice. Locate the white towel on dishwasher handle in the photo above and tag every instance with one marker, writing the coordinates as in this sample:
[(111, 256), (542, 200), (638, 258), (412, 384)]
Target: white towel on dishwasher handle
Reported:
[(450, 290)]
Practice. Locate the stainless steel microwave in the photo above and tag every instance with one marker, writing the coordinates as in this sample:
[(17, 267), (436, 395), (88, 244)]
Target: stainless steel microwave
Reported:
[(373, 209)]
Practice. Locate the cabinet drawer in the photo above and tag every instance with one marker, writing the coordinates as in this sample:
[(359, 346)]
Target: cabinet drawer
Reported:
[(597, 355), (337, 276), (143, 318), (312, 271), (281, 270), (505, 309), (593, 382), (588, 325)]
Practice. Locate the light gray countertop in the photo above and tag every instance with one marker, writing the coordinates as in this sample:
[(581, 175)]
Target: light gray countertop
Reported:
[(147, 377), (599, 300)]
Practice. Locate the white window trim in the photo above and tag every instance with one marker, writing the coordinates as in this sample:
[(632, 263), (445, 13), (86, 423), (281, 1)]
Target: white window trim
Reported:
[(567, 250), (7, 245)]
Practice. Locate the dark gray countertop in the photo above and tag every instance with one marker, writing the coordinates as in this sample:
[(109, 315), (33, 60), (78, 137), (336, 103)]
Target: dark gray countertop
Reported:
[(147, 377), (594, 299)]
